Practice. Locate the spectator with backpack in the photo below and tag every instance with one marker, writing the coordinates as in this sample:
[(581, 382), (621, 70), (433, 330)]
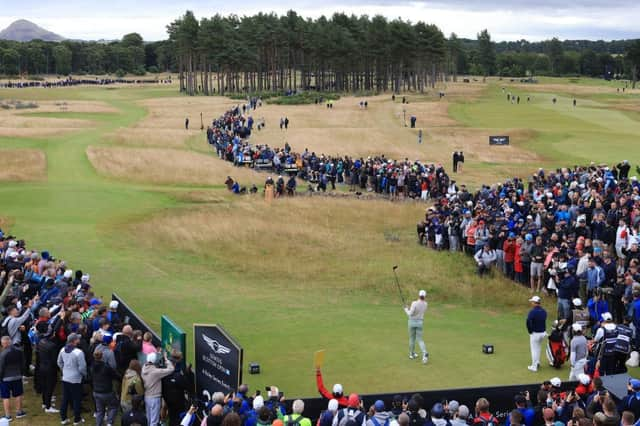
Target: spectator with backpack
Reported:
[(326, 418), (380, 416), (351, 413), (483, 416), (131, 385), (296, 418), (461, 416)]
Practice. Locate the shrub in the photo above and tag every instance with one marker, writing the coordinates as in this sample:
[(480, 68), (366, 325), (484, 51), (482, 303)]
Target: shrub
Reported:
[(120, 73), (153, 69)]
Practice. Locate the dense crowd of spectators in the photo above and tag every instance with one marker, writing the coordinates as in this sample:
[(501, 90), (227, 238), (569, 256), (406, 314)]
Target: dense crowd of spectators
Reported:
[(230, 135), (56, 331), (571, 233), (70, 82)]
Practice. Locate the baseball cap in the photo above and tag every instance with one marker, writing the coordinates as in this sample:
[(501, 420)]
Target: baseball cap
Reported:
[(635, 384), (337, 388), (353, 401), (437, 410), (113, 304), (152, 357), (577, 302), (379, 406), (556, 382), (333, 405), (576, 327), (535, 299), (607, 316), (422, 293)]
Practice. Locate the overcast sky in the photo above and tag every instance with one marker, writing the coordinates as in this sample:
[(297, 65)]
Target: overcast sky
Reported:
[(505, 20)]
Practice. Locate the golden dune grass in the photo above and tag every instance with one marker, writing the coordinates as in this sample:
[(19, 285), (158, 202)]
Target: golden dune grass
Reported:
[(165, 166), (148, 137), (170, 113), (294, 238), (22, 165)]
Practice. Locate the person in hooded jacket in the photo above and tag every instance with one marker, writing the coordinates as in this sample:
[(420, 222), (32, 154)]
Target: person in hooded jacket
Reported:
[(103, 375), (380, 416), (437, 416)]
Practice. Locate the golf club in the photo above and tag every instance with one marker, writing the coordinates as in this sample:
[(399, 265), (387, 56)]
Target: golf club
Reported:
[(404, 303)]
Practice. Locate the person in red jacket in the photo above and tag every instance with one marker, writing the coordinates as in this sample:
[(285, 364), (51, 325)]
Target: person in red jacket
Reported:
[(337, 393), (509, 248)]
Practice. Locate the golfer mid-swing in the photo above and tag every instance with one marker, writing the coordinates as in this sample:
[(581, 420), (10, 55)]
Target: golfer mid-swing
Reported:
[(416, 323)]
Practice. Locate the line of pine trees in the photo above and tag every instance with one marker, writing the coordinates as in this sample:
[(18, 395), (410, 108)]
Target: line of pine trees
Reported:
[(266, 52)]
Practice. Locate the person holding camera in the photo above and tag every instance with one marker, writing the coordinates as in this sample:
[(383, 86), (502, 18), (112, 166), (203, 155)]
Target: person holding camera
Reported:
[(152, 374)]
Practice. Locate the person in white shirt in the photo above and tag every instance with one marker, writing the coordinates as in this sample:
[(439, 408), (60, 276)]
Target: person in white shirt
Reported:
[(416, 324)]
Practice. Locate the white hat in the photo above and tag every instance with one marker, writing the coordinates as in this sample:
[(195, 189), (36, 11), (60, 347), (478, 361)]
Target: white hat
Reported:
[(333, 405), (607, 316), (68, 273), (577, 302), (152, 357), (337, 388), (422, 293), (85, 278), (12, 243), (556, 382), (258, 402), (535, 299), (576, 327), (584, 378), (113, 304)]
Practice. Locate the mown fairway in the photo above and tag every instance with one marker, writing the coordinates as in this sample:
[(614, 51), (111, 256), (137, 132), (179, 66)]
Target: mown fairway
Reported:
[(116, 186)]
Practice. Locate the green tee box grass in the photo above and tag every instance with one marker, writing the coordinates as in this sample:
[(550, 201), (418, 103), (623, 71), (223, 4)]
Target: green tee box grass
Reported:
[(349, 304)]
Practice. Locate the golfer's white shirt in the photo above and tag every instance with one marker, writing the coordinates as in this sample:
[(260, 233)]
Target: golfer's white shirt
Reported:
[(417, 310)]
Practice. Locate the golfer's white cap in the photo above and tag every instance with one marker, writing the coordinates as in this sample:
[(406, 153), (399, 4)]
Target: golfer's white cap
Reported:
[(576, 327), (422, 293), (337, 388), (584, 379), (535, 299)]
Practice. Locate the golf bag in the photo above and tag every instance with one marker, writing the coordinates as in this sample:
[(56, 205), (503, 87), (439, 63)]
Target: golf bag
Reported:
[(556, 349)]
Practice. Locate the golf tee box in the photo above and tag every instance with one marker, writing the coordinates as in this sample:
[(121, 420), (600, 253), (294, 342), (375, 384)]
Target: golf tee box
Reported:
[(487, 349)]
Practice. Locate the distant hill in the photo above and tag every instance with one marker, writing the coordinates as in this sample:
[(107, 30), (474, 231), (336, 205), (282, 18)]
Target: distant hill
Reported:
[(23, 30)]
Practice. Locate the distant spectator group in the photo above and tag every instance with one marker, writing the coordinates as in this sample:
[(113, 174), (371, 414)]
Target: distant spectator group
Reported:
[(395, 179)]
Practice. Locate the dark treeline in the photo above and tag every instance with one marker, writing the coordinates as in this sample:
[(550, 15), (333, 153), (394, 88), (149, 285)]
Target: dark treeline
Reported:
[(131, 55), (270, 53), (267, 52)]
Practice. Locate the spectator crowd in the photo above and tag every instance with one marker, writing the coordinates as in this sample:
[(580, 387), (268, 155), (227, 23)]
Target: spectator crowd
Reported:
[(70, 82), (571, 233), (230, 135)]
